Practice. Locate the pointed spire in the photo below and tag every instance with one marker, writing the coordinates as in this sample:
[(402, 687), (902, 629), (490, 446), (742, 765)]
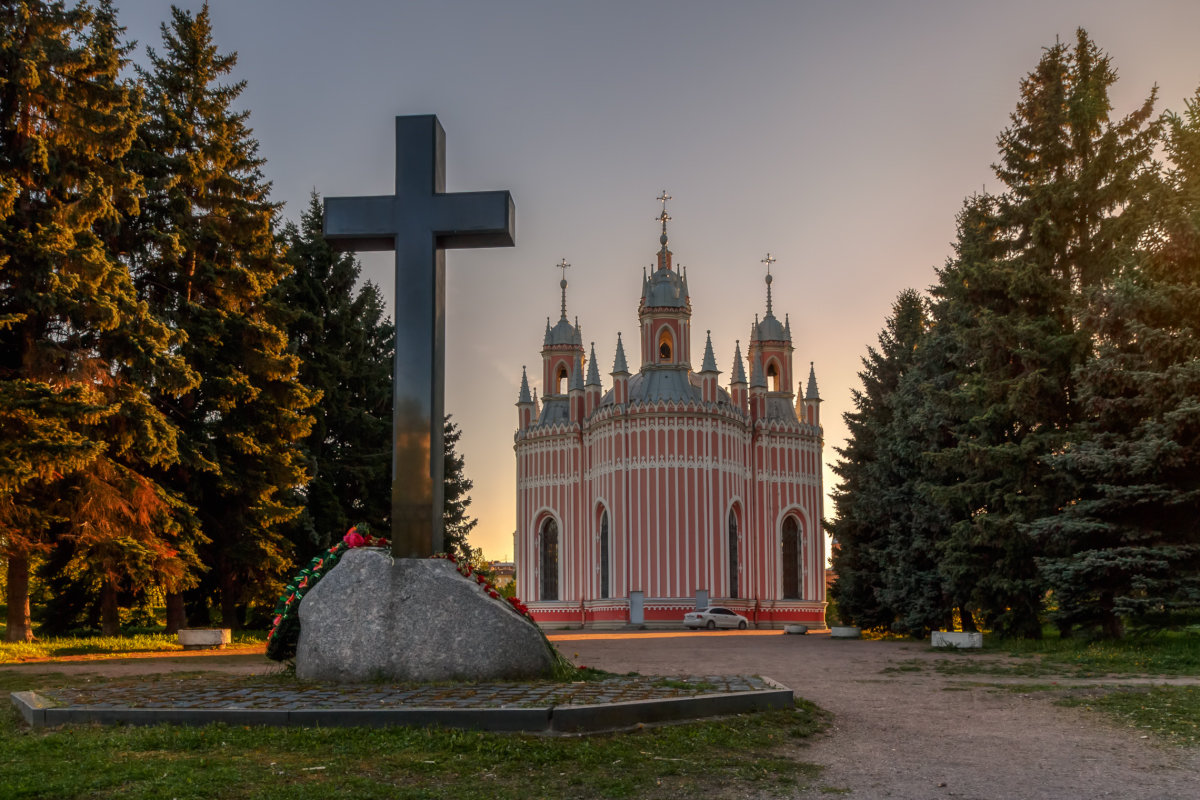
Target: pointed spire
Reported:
[(547, 339), (754, 329), (739, 371), (664, 218), (757, 379), (619, 365), (709, 364), (769, 260), (578, 333), (787, 327), (563, 284), (577, 375), (524, 397), (811, 393), (593, 376)]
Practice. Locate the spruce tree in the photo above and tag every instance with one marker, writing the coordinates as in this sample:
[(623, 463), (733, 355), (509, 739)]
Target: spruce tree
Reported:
[(345, 346), (207, 263), (869, 515), (1068, 173), (79, 436), (1129, 545), (458, 525)]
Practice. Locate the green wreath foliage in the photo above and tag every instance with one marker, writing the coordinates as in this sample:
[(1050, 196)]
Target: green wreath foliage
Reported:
[(285, 630)]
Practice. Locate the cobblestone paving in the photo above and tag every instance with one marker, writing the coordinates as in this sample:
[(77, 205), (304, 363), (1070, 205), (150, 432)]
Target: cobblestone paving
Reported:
[(279, 695)]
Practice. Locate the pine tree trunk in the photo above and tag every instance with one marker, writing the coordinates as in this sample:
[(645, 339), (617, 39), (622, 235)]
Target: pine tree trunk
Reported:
[(20, 626), (176, 616), (967, 619), (229, 604), (1114, 628), (110, 612)]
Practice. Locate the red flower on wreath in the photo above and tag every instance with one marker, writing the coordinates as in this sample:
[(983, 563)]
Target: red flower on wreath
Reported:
[(353, 538)]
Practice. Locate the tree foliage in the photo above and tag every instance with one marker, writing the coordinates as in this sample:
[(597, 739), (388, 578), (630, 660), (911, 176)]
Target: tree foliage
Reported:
[(458, 524), (344, 342), (999, 408), (81, 439), (207, 262), (1128, 547)]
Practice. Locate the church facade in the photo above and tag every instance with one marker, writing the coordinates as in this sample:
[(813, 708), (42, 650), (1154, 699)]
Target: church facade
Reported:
[(665, 491)]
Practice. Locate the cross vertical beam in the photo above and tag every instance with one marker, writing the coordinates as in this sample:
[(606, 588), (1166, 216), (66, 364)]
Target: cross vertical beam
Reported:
[(420, 221)]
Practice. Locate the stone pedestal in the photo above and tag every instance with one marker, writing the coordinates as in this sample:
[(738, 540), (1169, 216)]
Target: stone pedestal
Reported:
[(204, 638), (375, 618), (957, 639), (845, 632)]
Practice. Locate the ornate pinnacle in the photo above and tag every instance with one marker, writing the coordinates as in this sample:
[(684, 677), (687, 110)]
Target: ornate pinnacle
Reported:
[(769, 260), (664, 217), (563, 284)]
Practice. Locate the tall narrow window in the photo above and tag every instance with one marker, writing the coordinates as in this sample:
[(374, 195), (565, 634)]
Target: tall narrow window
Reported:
[(549, 560), (773, 376), (560, 383), (664, 346), (733, 554), (791, 558), (604, 553)]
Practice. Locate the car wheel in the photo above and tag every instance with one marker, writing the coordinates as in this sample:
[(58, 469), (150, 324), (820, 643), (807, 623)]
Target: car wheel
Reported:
[(742, 625), (711, 625)]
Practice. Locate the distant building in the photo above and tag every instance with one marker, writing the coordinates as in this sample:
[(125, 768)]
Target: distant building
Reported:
[(503, 573), (668, 491)]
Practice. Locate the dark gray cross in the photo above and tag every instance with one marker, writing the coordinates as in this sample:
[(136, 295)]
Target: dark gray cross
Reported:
[(419, 222)]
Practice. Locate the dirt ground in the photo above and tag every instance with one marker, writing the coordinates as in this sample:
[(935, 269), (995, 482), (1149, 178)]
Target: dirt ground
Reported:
[(901, 729)]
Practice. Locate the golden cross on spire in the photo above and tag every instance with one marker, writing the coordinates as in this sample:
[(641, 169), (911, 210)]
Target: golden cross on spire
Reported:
[(769, 260), (664, 217), (563, 266)]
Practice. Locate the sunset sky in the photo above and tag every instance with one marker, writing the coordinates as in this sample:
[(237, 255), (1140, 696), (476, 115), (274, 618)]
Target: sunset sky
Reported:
[(840, 136)]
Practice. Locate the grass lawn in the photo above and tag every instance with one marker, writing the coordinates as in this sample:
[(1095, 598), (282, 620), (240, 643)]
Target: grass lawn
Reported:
[(1170, 712), (1165, 653), (751, 754)]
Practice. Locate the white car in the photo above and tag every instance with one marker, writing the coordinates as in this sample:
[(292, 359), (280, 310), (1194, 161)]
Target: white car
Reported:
[(714, 617)]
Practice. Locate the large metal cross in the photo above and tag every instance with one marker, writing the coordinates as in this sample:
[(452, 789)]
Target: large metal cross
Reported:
[(419, 222)]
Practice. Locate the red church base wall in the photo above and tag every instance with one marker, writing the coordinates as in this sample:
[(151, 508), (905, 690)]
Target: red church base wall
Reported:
[(667, 613)]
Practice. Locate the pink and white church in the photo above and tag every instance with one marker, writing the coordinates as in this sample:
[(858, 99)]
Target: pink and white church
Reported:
[(668, 491)]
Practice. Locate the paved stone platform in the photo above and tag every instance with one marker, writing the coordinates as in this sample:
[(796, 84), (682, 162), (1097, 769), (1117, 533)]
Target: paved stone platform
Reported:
[(540, 706)]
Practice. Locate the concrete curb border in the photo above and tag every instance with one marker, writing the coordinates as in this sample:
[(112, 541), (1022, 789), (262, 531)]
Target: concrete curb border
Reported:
[(39, 712)]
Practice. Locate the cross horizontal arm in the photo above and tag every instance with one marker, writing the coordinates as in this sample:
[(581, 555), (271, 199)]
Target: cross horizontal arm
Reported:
[(361, 223), (474, 219)]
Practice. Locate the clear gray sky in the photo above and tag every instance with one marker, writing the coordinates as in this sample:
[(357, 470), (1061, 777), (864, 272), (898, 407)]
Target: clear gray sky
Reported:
[(840, 136)]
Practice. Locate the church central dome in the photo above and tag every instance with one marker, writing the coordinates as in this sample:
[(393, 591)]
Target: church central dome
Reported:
[(664, 289)]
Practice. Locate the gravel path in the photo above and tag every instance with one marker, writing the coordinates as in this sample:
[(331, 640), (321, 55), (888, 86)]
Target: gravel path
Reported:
[(902, 730)]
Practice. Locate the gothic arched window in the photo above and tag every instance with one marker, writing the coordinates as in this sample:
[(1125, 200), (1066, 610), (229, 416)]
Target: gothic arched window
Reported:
[(733, 553), (791, 558), (604, 553), (549, 547), (773, 376), (560, 381), (665, 345)]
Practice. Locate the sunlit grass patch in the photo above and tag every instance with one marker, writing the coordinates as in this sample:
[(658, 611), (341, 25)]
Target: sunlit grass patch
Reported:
[(56, 647)]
